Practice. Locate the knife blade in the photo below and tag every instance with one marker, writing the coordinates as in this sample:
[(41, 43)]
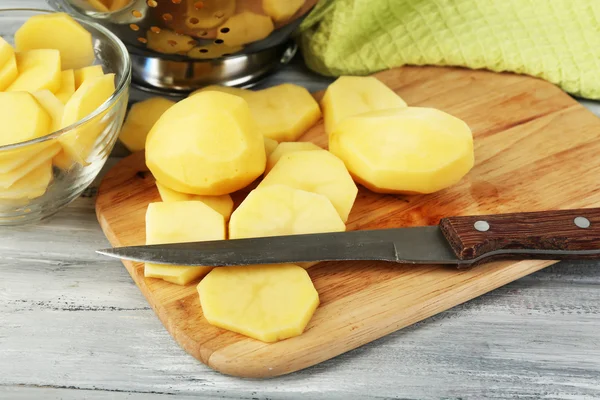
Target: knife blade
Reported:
[(461, 241)]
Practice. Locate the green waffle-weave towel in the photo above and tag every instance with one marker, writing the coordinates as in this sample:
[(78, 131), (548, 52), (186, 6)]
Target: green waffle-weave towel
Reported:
[(556, 40)]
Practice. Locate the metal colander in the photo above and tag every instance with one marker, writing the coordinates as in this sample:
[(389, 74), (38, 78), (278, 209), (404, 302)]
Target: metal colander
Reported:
[(180, 45)]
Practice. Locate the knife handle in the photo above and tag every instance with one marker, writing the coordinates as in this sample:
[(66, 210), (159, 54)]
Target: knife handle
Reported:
[(552, 235)]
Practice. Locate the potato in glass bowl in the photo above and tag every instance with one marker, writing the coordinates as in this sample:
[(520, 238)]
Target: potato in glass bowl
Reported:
[(64, 87)]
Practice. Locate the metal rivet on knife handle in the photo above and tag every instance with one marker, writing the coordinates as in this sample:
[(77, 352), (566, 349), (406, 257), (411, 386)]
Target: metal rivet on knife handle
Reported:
[(582, 222), (482, 226)]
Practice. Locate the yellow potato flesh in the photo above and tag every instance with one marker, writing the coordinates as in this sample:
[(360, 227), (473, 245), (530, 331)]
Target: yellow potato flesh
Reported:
[(79, 142), (353, 95), (38, 70), (63, 161), (245, 27), (83, 74), (30, 186), (221, 204), (281, 10), (9, 178), (53, 106), (408, 150), (316, 171), (270, 146), (98, 5), (67, 86), (57, 31), (210, 15), (8, 65), (22, 118), (141, 118), (207, 144), (179, 222), (116, 5), (169, 42), (13, 159), (224, 89), (286, 148), (264, 302)]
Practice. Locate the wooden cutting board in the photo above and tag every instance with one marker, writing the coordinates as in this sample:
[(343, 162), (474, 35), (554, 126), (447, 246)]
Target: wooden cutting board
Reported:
[(535, 148)]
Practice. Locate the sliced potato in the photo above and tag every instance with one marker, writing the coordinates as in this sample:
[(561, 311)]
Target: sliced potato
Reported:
[(9, 178), (141, 118), (281, 10), (270, 145), (32, 185), (221, 204), (207, 144), (63, 161), (208, 14), (169, 42), (53, 106), (38, 70), (23, 118), (13, 159), (57, 31), (179, 222), (83, 74), (245, 27), (407, 150), (264, 302), (67, 86), (316, 171), (224, 89), (353, 95), (286, 148), (8, 65)]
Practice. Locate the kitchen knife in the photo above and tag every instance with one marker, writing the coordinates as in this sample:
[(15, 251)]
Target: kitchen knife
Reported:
[(462, 241)]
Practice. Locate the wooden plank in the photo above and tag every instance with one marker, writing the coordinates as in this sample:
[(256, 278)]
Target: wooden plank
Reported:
[(522, 157)]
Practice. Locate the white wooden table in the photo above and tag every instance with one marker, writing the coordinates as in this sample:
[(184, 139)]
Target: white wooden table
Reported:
[(73, 326)]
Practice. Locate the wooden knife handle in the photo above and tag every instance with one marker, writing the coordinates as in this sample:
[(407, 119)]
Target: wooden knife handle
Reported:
[(553, 235)]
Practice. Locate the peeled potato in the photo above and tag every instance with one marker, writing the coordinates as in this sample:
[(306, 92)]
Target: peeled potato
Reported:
[(353, 95), (243, 93), (53, 106), (179, 222), (270, 146), (22, 118), (57, 31), (8, 65), (207, 144), (169, 42), (208, 14), (13, 159), (141, 118), (30, 186), (245, 27), (407, 150), (67, 86), (286, 148), (38, 70), (9, 178), (221, 204), (264, 302), (316, 171), (83, 74), (281, 10), (100, 5), (63, 161), (79, 142)]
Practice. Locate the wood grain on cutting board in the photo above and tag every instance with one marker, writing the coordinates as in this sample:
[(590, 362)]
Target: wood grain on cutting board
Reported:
[(535, 149)]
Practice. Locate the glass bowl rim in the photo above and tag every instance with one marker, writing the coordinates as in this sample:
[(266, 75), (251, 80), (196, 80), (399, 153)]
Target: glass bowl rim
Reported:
[(122, 85)]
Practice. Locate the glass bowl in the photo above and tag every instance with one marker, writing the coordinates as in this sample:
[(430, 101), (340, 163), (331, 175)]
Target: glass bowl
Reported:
[(22, 198)]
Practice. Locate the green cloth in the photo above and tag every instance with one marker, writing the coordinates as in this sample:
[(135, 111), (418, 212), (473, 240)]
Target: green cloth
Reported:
[(556, 40)]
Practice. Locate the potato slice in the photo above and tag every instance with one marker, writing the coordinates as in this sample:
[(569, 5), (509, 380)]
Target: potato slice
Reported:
[(53, 106), (270, 145), (243, 93), (8, 65), (116, 5), (221, 204), (407, 150), (316, 171), (179, 222), (141, 118), (67, 86), (13, 159), (57, 31), (282, 210), (23, 118), (30, 186), (38, 70), (353, 95), (78, 143), (100, 5), (83, 74), (207, 144), (63, 161), (208, 14), (245, 27), (281, 10), (169, 42), (264, 302), (9, 178), (286, 148)]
